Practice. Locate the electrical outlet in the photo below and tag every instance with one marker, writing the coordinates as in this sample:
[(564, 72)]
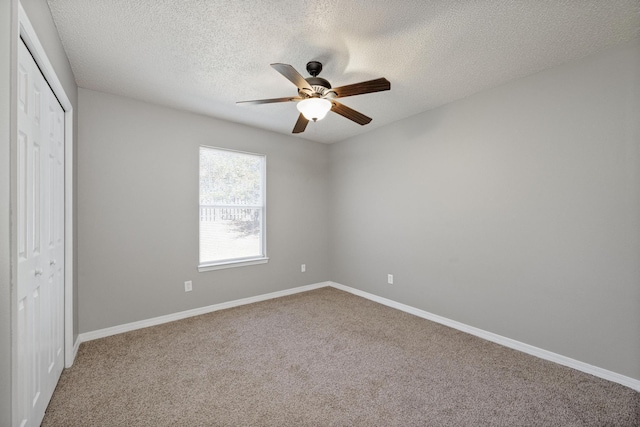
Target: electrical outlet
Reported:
[(188, 286), (303, 268), (390, 279)]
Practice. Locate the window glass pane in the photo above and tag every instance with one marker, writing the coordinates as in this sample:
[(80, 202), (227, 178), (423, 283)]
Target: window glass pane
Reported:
[(229, 233), (231, 206), (228, 177)]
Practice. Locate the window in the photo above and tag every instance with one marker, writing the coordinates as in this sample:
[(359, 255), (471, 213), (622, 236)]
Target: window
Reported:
[(232, 209)]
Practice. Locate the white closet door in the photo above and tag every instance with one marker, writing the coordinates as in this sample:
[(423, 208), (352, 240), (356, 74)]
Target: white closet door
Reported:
[(40, 221)]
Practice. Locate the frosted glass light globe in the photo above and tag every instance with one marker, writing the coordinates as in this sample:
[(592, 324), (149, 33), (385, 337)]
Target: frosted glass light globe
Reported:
[(314, 108)]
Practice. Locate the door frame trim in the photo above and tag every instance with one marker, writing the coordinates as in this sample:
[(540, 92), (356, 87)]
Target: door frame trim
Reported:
[(28, 34)]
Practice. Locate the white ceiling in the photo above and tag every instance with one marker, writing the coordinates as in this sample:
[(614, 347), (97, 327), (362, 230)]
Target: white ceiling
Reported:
[(204, 55)]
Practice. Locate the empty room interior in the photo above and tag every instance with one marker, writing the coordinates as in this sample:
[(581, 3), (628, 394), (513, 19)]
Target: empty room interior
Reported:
[(453, 240)]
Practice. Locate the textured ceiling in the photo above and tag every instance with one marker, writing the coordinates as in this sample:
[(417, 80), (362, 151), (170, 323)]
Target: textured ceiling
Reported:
[(204, 55)]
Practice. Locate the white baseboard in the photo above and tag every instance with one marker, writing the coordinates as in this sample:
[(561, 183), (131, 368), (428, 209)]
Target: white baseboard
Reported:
[(489, 336), (76, 346), (498, 339), (102, 333)]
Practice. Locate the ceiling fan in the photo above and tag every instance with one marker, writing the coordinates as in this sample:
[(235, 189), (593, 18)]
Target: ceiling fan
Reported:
[(316, 96)]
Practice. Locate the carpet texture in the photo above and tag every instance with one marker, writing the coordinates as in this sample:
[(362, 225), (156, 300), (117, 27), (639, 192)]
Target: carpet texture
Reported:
[(324, 358)]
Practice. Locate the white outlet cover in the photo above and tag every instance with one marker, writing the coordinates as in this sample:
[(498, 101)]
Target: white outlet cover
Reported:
[(188, 286), (390, 279), (303, 268)]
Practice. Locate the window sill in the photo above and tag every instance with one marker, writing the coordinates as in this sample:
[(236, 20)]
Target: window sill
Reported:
[(231, 264)]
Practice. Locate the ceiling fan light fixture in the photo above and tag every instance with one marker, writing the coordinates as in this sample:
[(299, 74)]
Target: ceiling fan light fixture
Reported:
[(314, 108), (316, 97)]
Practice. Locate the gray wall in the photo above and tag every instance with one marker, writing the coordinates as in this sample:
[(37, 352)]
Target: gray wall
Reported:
[(138, 211), (40, 17), (516, 210)]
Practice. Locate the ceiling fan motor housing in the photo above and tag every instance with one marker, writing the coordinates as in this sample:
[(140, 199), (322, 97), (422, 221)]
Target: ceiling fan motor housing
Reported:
[(321, 88), (318, 81)]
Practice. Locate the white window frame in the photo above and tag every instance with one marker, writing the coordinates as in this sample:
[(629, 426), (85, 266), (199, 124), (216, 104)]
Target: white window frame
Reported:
[(237, 262)]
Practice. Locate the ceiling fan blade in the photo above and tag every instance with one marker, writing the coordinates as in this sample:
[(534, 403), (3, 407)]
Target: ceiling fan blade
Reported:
[(301, 124), (290, 73), (272, 100), (370, 86), (350, 113)]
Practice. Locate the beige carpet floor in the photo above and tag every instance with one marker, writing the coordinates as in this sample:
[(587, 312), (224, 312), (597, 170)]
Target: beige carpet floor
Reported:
[(324, 358)]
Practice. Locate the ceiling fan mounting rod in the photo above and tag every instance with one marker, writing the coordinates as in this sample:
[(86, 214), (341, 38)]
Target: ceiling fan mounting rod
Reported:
[(317, 83)]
